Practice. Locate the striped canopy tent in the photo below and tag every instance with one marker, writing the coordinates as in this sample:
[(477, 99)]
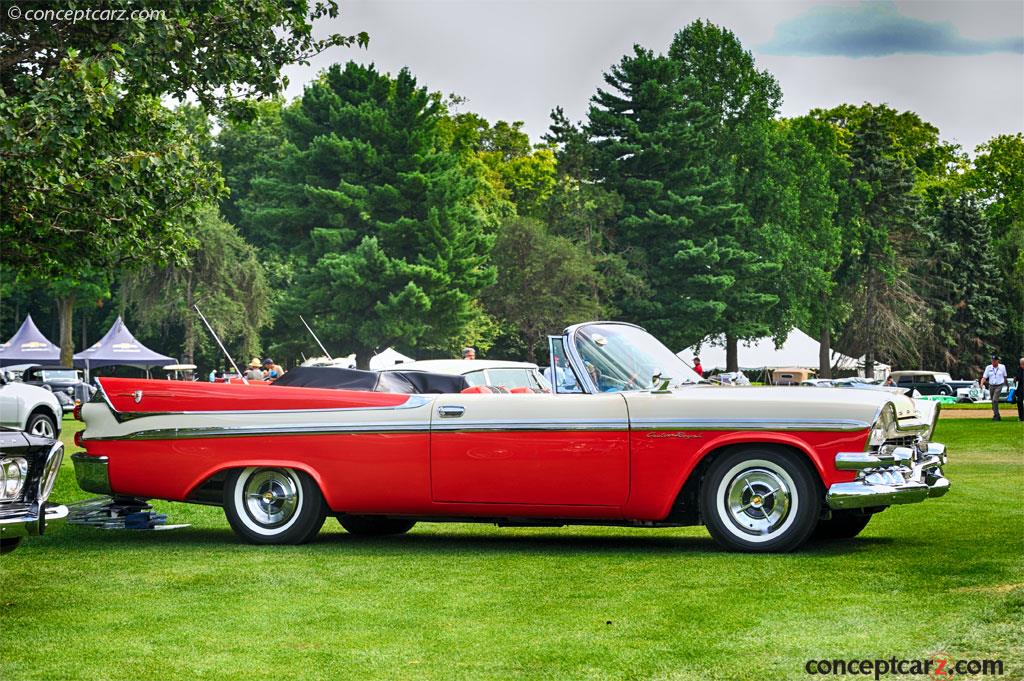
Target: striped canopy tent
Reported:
[(29, 346), (119, 348)]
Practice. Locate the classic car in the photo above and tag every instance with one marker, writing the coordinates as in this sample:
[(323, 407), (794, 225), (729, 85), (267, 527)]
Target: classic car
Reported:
[(928, 382), (29, 408), (29, 466), (489, 372), (762, 468), (67, 384)]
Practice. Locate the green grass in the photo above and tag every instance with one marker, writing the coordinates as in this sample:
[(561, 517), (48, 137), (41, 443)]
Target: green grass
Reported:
[(477, 602)]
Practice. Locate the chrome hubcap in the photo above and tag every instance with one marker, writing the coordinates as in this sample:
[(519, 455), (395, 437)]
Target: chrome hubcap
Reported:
[(42, 428), (758, 500), (271, 497)]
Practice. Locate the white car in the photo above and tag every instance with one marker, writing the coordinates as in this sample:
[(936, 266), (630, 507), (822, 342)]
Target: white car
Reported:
[(29, 408), (482, 372)]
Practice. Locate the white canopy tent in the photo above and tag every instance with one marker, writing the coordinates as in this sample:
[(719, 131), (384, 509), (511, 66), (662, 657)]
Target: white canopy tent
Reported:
[(388, 358), (798, 351)]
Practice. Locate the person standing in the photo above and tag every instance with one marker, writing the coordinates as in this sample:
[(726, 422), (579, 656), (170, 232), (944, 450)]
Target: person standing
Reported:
[(697, 367), (468, 353), (995, 376), (1018, 395)]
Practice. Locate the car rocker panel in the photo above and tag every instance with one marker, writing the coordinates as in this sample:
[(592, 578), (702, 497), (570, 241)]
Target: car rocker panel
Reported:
[(761, 467)]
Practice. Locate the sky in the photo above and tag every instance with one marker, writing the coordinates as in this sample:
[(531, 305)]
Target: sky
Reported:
[(959, 65)]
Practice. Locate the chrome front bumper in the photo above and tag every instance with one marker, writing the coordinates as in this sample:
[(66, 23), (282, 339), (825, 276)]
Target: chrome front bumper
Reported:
[(892, 475), (32, 522), (91, 473)]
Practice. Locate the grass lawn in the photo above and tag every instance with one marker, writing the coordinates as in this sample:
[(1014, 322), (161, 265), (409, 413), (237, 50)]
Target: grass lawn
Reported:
[(478, 602)]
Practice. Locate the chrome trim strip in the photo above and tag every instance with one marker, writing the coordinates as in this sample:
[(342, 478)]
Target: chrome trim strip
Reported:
[(887, 456), (748, 424)]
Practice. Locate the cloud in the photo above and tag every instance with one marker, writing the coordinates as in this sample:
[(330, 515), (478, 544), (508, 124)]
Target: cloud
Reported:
[(875, 29)]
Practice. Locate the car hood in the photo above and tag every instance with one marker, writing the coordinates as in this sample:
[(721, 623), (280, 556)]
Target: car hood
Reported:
[(773, 403)]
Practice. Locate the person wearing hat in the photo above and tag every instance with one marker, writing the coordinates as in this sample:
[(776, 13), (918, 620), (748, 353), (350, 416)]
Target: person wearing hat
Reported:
[(995, 376), (271, 371), (253, 373)]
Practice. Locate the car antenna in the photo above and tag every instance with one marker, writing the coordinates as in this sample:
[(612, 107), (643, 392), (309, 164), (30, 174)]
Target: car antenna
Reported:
[(316, 339), (214, 334)]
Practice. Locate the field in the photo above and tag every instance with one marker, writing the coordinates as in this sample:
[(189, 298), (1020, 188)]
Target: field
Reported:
[(478, 602)]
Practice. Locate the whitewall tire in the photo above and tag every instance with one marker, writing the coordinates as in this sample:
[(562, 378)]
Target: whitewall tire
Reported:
[(273, 505), (760, 499)]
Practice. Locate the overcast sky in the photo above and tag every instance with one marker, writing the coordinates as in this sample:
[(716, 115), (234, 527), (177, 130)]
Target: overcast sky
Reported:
[(960, 65)]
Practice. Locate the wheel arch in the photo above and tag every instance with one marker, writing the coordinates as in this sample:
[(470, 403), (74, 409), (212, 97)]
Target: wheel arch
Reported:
[(686, 506), (208, 486), (43, 408)]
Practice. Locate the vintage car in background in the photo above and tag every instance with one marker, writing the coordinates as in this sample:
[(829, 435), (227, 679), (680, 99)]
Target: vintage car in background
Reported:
[(30, 408), (928, 382), (763, 469), (483, 372), (29, 466), (67, 384)]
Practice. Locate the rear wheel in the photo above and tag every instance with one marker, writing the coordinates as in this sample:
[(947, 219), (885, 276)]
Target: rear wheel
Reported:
[(369, 526), (273, 505), (42, 425), (842, 525), (760, 499)]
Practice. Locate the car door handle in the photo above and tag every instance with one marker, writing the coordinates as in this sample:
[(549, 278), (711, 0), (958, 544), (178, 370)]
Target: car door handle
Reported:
[(450, 411)]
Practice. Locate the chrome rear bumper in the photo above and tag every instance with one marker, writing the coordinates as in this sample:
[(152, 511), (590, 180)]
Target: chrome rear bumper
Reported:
[(893, 475), (91, 473)]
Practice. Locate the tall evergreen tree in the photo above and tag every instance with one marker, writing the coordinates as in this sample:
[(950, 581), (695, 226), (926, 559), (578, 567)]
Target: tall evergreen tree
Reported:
[(384, 210)]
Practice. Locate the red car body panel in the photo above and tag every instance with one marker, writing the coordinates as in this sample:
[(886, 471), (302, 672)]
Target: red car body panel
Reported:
[(602, 474)]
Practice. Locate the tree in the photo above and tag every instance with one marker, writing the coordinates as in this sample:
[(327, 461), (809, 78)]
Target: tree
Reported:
[(94, 181), (385, 211), (964, 303), (222, 274), (88, 152), (997, 179), (545, 283)]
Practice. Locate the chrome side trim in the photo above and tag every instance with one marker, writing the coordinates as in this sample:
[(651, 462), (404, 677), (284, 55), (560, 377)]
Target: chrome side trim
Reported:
[(749, 424)]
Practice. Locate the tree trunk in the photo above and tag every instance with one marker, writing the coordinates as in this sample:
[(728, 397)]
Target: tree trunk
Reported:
[(65, 314), (732, 360), (84, 344), (189, 322), (869, 364), (363, 356), (825, 350)]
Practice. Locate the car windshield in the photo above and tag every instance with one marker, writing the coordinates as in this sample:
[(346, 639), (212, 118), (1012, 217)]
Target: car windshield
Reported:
[(60, 375), (620, 357)]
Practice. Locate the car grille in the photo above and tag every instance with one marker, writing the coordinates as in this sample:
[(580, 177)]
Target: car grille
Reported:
[(904, 441)]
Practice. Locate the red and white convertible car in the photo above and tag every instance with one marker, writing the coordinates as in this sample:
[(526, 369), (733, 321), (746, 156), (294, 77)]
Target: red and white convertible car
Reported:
[(632, 444)]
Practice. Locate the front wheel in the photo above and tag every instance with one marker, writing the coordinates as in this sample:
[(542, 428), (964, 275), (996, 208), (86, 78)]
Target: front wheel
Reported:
[(760, 500), (273, 505)]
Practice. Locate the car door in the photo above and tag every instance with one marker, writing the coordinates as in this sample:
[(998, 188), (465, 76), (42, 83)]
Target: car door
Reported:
[(530, 448)]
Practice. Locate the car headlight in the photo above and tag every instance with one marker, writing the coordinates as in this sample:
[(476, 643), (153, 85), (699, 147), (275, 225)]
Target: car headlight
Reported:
[(13, 472), (883, 426)]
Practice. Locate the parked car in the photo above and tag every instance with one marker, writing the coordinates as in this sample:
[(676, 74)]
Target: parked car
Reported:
[(30, 408), (928, 382), (60, 381), (477, 372), (975, 393), (29, 466), (763, 468)]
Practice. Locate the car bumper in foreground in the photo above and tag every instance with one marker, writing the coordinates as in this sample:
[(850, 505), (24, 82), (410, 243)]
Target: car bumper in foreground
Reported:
[(91, 473), (29, 521), (893, 475)]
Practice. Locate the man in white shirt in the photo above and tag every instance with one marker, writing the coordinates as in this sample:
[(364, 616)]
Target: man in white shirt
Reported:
[(995, 376)]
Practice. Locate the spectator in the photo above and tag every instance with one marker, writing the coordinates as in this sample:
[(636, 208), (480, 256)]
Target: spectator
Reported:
[(889, 382), (271, 371), (1018, 395), (468, 353), (254, 373), (697, 367), (995, 375)]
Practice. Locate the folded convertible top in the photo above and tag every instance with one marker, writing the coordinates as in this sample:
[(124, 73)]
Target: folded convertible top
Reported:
[(376, 381)]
